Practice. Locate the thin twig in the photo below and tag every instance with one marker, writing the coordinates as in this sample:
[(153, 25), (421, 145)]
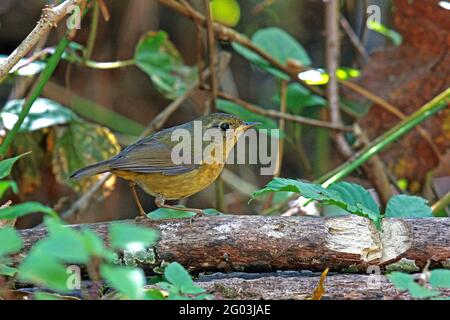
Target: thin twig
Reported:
[(354, 39), (50, 18), (92, 31), (280, 115), (212, 57), (281, 125), (198, 42)]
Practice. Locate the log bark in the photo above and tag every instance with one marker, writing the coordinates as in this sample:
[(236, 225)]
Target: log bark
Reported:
[(285, 286), (261, 244)]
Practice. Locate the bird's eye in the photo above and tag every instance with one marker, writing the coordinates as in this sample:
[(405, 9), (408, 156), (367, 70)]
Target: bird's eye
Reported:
[(224, 126)]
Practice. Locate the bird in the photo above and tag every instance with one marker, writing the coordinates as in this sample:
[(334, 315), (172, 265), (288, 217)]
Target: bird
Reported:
[(150, 163)]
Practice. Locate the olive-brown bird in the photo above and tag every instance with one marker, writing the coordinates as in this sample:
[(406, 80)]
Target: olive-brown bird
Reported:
[(150, 164)]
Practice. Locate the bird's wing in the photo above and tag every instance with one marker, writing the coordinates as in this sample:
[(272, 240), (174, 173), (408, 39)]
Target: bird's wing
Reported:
[(149, 155)]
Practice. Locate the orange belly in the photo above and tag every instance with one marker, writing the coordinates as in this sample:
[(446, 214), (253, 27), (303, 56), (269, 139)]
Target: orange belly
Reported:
[(177, 186)]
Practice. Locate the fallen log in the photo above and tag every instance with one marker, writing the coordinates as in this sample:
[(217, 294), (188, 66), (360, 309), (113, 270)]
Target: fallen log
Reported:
[(261, 244), (300, 287)]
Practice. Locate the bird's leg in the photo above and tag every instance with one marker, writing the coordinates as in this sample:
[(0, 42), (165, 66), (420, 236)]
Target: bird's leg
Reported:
[(136, 199), (159, 202)]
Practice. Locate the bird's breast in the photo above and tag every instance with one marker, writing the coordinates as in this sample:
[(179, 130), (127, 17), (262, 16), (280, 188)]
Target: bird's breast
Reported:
[(175, 187)]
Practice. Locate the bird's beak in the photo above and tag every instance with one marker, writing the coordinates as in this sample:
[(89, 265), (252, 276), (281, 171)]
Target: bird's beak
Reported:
[(248, 125)]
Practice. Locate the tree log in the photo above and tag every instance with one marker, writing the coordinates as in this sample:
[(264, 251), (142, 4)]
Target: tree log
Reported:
[(261, 244), (285, 286)]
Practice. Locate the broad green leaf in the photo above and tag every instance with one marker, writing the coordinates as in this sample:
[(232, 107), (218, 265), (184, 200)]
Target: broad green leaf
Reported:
[(406, 282), (308, 190), (127, 280), (153, 294), (401, 280), (63, 244), (44, 113), (440, 278), (299, 97), (177, 275), (5, 185), (278, 44), (95, 247), (227, 12), (25, 208), (131, 237), (7, 270), (7, 164), (78, 145), (164, 213), (10, 241), (404, 206), (354, 196), (40, 269), (246, 115), (394, 36), (161, 61), (24, 67), (347, 196)]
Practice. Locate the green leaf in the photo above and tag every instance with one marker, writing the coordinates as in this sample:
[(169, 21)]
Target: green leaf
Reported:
[(164, 213), (5, 185), (246, 115), (7, 270), (44, 113), (80, 144), (404, 206), (127, 280), (131, 237), (440, 278), (41, 269), (299, 97), (25, 208), (180, 278), (278, 44), (348, 196), (161, 61), (308, 190), (63, 244), (95, 247), (406, 282), (354, 195), (394, 36), (153, 294), (10, 241), (7, 164)]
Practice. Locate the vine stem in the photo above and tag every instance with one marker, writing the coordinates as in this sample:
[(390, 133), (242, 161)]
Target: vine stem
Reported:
[(35, 93), (427, 110)]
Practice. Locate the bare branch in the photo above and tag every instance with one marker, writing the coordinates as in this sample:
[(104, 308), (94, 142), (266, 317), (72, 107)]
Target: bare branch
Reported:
[(50, 18)]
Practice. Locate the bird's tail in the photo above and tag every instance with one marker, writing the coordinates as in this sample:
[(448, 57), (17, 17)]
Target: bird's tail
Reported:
[(97, 168)]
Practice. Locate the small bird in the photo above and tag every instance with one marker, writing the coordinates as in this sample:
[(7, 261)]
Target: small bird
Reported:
[(150, 164)]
